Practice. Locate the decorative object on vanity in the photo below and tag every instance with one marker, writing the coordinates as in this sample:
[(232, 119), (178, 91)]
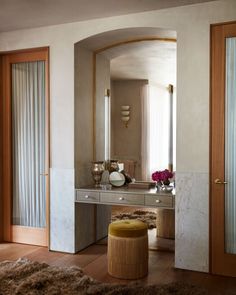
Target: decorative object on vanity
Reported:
[(105, 182), (97, 170), (112, 165), (117, 178), (27, 277), (142, 184), (128, 178), (162, 179), (148, 217), (125, 115)]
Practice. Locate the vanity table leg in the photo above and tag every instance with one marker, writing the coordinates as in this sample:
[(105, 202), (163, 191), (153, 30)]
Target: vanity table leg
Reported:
[(85, 229), (103, 220)]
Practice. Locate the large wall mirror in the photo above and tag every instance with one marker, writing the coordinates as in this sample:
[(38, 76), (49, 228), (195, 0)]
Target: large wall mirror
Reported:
[(140, 73), (143, 76)]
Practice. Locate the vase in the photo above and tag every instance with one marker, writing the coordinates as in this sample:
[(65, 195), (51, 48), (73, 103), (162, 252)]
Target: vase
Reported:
[(161, 186), (167, 188), (97, 170)]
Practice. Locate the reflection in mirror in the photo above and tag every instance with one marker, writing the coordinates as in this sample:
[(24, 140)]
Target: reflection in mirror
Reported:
[(142, 77)]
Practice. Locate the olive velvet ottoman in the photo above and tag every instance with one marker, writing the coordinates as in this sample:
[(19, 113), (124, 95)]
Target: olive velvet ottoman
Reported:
[(127, 249)]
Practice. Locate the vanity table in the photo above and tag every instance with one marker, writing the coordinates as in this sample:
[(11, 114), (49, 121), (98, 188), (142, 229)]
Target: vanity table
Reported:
[(93, 208), (126, 196)]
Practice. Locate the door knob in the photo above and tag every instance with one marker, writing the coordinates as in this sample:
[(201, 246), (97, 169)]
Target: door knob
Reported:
[(218, 181)]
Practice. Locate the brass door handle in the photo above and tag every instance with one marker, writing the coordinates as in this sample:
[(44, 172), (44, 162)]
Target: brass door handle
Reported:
[(44, 174), (218, 181)]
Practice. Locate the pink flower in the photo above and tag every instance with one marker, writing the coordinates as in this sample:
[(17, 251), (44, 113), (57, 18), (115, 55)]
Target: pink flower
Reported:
[(162, 176)]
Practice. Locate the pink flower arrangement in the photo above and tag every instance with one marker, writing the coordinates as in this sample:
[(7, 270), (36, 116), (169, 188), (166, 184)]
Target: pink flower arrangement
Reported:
[(162, 177)]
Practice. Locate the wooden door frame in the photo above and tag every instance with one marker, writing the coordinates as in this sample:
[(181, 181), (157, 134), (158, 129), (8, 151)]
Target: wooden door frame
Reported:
[(217, 91), (1, 152), (41, 53)]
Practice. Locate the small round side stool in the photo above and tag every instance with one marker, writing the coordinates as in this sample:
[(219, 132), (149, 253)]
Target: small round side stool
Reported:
[(165, 223), (127, 249)]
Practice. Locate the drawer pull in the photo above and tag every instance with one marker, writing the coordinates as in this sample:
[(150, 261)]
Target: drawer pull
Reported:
[(121, 198), (86, 196), (158, 201)]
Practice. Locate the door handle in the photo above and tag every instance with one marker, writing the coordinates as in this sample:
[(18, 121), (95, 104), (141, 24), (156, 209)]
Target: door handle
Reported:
[(44, 174), (218, 181)]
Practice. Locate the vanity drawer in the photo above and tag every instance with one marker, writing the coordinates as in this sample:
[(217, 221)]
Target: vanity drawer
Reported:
[(87, 196), (159, 201), (127, 199)]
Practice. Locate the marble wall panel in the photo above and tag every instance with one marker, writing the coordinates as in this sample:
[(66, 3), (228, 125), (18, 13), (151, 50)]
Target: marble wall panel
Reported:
[(192, 221), (62, 216)]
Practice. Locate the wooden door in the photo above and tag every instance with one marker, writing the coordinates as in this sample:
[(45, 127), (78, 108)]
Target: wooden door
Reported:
[(223, 149), (17, 147)]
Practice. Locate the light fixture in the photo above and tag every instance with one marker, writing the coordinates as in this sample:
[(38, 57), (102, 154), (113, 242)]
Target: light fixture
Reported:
[(125, 114)]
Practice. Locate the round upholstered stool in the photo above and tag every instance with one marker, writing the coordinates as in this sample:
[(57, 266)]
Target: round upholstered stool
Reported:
[(127, 249)]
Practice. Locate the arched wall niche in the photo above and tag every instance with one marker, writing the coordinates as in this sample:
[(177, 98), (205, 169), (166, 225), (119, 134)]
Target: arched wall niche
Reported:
[(92, 77)]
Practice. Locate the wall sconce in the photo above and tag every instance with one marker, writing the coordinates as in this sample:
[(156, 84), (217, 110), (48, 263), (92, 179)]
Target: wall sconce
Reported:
[(125, 114)]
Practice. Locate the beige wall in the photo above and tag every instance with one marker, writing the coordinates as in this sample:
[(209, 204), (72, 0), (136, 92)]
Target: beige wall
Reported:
[(192, 24), (83, 113), (126, 142)]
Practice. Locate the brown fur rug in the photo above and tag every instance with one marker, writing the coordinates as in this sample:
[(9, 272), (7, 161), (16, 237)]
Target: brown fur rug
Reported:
[(23, 277), (146, 216)]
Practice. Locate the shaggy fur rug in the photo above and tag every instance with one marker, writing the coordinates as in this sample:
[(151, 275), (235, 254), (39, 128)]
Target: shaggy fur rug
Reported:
[(24, 277), (146, 216)]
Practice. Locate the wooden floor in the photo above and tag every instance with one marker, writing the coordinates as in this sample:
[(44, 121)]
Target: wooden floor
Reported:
[(93, 260)]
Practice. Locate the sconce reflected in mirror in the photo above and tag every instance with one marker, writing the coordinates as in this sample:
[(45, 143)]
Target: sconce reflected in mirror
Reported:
[(125, 115)]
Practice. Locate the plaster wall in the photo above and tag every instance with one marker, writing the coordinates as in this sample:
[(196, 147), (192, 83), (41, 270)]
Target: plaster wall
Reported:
[(127, 92), (83, 115), (192, 24)]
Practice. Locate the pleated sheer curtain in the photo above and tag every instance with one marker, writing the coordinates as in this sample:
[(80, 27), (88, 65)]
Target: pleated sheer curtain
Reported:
[(155, 101), (230, 147), (28, 136), (145, 140)]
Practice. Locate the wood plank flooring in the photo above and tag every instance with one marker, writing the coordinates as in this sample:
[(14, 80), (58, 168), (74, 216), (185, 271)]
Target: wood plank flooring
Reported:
[(93, 260)]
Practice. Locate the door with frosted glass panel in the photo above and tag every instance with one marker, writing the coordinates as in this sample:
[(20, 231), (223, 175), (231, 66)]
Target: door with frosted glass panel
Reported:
[(223, 149), (26, 160)]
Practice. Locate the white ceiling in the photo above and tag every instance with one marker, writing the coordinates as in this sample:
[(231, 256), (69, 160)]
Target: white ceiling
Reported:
[(144, 60), (150, 60), (20, 14)]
